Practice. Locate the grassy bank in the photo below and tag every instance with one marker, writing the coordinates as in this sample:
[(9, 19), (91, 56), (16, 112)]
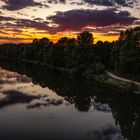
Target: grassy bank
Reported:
[(117, 84)]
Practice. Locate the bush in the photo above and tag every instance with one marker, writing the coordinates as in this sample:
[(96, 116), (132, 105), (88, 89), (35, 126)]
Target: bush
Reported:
[(99, 68)]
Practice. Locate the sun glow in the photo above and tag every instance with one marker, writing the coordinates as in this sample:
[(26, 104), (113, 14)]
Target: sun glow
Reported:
[(27, 35)]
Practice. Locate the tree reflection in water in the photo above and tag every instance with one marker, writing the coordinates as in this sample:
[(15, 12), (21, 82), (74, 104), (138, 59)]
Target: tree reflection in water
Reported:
[(85, 95)]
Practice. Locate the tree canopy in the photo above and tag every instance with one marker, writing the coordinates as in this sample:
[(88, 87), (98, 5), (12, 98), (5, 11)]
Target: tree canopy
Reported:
[(81, 55)]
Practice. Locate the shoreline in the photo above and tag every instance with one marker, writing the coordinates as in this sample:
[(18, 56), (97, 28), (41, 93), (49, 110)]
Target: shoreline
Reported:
[(107, 79)]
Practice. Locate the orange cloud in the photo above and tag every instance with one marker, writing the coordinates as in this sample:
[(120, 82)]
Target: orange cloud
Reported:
[(28, 35)]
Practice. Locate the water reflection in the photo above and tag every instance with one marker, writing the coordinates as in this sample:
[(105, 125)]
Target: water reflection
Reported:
[(85, 96), (108, 132), (46, 102), (14, 97)]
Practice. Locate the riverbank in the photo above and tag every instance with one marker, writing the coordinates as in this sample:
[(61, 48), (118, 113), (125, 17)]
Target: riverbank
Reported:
[(105, 79), (118, 83), (122, 79)]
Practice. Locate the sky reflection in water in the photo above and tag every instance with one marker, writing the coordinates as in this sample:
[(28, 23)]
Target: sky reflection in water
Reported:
[(29, 111)]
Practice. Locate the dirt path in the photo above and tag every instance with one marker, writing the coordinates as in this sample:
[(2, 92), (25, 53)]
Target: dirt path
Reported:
[(121, 78)]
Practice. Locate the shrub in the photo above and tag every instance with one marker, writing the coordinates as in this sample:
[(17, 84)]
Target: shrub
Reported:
[(99, 68)]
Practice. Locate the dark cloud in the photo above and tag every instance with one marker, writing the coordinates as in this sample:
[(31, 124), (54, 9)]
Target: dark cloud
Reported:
[(13, 5), (23, 23), (57, 1), (3, 18), (102, 21), (121, 1), (27, 23), (20, 4), (100, 2), (96, 2), (109, 2), (75, 20), (9, 24), (38, 19)]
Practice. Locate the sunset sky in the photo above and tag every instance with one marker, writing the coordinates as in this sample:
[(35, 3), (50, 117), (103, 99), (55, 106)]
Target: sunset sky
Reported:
[(24, 20)]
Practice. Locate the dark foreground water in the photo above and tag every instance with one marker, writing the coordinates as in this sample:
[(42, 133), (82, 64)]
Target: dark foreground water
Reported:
[(40, 105)]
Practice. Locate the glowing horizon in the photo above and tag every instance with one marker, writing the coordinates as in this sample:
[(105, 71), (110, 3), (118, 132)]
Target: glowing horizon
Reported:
[(24, 20), (55, 38)]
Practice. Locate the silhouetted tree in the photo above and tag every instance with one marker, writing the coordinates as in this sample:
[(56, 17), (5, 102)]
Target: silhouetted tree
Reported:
[(85, 38)]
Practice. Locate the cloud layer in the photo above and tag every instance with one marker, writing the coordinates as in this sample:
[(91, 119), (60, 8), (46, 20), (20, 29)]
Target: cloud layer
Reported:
[(19, 4), (52, 17), (75, 20), (109, 2), (13, 5)]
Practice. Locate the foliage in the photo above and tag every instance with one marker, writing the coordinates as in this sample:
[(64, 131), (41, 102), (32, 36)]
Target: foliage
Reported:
[(80, 55), (99, 68), (73, 55), (126, 53)]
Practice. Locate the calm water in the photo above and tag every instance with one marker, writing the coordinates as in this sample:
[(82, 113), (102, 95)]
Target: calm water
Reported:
[(39, 105)]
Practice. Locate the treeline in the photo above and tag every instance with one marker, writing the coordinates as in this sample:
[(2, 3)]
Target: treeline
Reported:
[(126, 54), (81, 55), (74, 55)]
